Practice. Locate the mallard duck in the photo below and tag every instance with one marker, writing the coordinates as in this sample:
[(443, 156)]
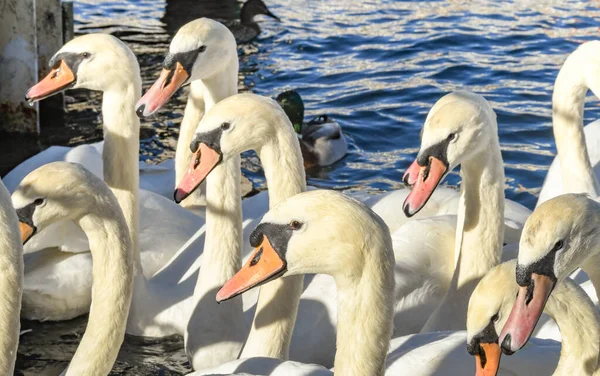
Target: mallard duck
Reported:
[(246, 29), (321, 139)]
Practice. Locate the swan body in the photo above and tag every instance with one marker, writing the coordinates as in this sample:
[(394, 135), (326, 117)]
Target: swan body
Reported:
[(575, 169), (322, 141), (48, 195), (11, 283)]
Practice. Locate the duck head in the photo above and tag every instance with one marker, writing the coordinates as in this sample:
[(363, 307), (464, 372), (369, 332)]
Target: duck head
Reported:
[(292, 104), (93, 61), (559, 236), (253, 8), (198, 51), (458, 127)]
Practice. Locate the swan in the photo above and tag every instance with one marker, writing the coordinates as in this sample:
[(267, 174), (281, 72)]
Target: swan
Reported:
[(47, 195), (569, 306), (461, 128), (327, 232), (58, 288), (11, 283), (575, 169), (246, 29), (560, 236), (322, 141)]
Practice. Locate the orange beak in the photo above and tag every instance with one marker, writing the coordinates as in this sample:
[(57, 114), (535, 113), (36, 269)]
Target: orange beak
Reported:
[(204, 160), (27, 231), (525, 313), (424, 181), (167, 84), (264, 265), (488, 362), (57, 80)]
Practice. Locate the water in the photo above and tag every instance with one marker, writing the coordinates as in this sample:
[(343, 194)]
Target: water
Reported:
[(377, 67)]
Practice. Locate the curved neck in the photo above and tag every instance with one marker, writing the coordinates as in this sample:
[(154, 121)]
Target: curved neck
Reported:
[(365, 313), (579, 323), (112, 268), (121, 154), (204, 94), (221, 259), (568, 100), (247, 15), (11, 283), (277, 306)]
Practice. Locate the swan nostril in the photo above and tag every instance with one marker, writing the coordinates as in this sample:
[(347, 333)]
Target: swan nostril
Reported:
[(506, 342), (529, 295), (140, 111)]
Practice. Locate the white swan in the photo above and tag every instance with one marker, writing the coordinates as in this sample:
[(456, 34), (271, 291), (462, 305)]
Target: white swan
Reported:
[(59, 287), (570, 308), (461, 129), (48, 195), (576, 168), (560, 236), (327, 232), (11, 283)]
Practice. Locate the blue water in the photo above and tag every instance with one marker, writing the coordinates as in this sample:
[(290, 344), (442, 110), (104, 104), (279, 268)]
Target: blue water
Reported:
[(378, 66)]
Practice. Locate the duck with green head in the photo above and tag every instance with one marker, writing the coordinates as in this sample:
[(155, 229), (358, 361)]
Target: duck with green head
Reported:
[(246, 29), (321, 139)]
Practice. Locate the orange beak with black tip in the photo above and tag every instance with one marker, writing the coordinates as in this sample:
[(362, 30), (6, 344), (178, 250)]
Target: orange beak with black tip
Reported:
[(59, 79), (204, 160), (167, 84), (487, 362), (526, 312), (27, 231), (264, 265), (424, 180)]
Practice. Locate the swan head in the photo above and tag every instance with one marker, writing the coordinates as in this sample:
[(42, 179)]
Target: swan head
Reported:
[(253, 8), (199, 50), (54, 192), (236, 124), (313, 232), (458, 127), (557, 238), (93, 61), (489, 307)]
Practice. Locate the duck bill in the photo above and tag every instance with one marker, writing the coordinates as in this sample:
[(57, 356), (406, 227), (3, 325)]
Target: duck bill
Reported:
[(204, 160), (57, 80), (487, 362), (525, 313), (273, 16), (425, 180), (27, 231), (167, 84), (264, 265)]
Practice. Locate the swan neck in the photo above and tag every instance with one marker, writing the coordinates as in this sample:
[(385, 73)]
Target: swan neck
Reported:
[(365, 313), (579, 323), (273, 324), (121, 154), (568, 100), (11, 283), (112, 268)]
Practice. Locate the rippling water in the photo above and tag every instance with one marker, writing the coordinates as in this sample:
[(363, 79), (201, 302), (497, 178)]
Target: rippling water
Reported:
[(377, 67)]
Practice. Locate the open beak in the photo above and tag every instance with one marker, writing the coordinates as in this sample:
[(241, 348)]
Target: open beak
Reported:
[(204, 160), (487, 362), (525, 313), (57, 80), (424, 180), (27, 231), (167, 84), (264, 265)]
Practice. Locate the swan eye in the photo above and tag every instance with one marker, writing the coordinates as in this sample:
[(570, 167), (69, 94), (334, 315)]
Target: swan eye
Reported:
[(202, 49), (495, 317), (559, 244), (85, 55), (451, 136), (225, 126), (38, 201), (295, 225)]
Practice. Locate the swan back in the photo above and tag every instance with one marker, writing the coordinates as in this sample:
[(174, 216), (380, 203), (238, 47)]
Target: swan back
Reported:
[(562, 231)]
